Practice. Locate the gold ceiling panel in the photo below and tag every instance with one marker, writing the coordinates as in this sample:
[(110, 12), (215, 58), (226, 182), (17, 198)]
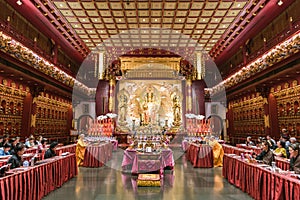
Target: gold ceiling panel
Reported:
[(92, 13), (156, 13), (61, 5), (212, 26), (183, 5), (181, 13), (102, 5), (67, 13), (116, 5), (75, 5), (108, 20), (117, 13), (228, 20), (194, 13), (143, 5), (79, 13), (233, 13), (143, 13), (156, 5), (211, 5), (207, 13), (191, 20), (88, 5), (87, 26), (105, 13), (170, 5), (197, 5), (225, 5)]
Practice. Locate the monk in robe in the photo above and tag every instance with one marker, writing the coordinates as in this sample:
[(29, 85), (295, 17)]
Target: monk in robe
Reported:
[(80, 150), (218, 152)]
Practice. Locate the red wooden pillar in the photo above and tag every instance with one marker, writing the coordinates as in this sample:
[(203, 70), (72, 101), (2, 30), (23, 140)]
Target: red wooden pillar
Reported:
[(26, 116), (274, 127), (102, 94), (198, 97)]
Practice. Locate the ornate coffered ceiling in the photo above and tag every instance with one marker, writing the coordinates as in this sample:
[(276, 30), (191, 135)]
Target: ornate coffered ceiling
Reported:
[(202, 21), (171, 25)]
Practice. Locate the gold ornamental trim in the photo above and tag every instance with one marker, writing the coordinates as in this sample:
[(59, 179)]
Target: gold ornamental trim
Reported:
[(133, 63)]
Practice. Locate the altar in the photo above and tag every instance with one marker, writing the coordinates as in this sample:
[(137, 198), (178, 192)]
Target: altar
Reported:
[(139, 162)]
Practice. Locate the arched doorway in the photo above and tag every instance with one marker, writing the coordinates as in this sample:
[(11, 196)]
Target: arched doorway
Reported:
[(84, 122), (216, 124)]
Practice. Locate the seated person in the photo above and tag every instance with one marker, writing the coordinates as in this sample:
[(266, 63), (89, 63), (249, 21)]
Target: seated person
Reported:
[(51, 151), (273, 143), (249, 142), (42, 145), (218, 152), (6, 150), (1, 141), (30, 142), (16, 159), (266, 156), (294, 158), (259, 141), (280, 150), (80, 150)]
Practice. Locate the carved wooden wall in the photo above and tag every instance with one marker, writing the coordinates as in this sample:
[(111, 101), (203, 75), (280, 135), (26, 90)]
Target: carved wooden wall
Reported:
[(248, 117), (11, 108), (288, 109), (51, 116)]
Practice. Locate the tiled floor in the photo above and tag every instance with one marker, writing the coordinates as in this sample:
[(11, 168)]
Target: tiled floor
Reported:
[(184, 183)]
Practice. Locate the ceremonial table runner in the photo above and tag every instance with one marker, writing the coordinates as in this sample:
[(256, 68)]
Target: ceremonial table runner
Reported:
[(97, 156), (200, 155), (258, 181), (35, 182)]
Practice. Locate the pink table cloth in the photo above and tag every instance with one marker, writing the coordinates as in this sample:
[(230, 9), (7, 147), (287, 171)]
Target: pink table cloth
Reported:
[(147, 162), (97, 156)]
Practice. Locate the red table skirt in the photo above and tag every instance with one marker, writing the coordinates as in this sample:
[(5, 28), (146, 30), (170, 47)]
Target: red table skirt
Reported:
[(97, 156), (36, 182), (282, 163), (68, 148), (259, 182), (200, 156)]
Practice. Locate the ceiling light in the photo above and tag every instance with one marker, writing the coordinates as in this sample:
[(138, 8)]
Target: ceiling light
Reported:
[(120, 20), (239, 5), (203, 20), (19, 2), (144, 20), (279, 3), (156, 20)]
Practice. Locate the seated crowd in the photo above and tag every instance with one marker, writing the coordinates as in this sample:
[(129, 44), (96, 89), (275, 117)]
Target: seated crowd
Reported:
[(285, 147), (15, 148)]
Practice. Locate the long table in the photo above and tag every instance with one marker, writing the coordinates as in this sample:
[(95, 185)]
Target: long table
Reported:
[(258, 181), (137, 162), (200, 155), (35, 182), (282, 163), (98, 155)]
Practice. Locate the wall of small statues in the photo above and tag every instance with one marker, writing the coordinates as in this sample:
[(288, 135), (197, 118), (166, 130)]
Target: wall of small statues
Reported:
[(288, 97), (11, 108), (50, 115), (250, 117)]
